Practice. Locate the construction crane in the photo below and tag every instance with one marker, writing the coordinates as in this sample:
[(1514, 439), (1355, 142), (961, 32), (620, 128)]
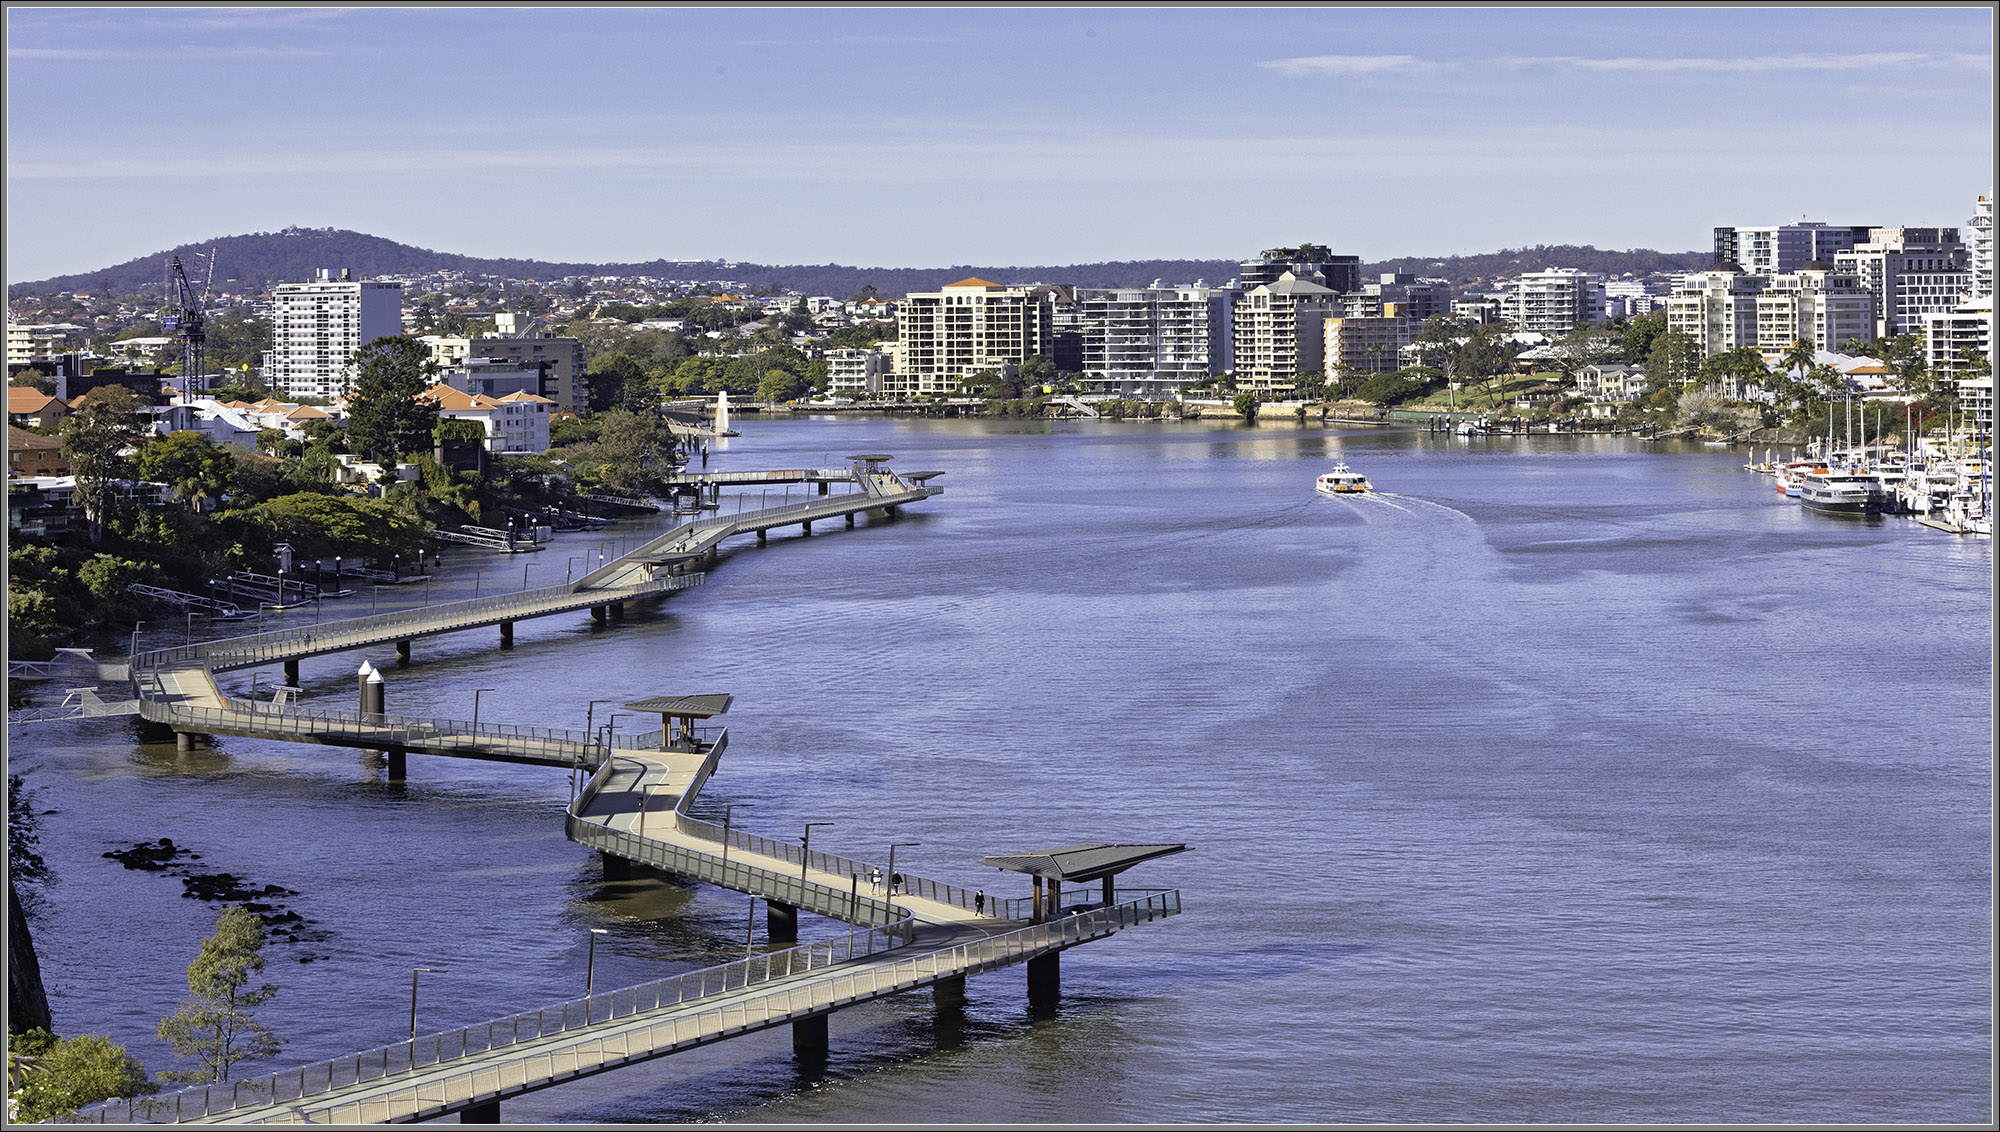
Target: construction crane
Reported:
[(180, 314)]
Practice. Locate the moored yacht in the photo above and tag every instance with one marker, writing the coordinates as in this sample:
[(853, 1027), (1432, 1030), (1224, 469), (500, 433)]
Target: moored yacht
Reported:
[(1838, 492)]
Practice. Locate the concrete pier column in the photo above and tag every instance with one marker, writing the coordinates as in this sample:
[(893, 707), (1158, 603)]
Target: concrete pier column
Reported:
[(616, 867), (890, 511), (763, 537), (618, 611), (825, 487), (781, 922), (506, 634), (399, 764), (292, 673), (1045, 979), (488, 1113), (185, 741), (809, 1040), (597, 615), (850, 519), (806, 527), (949, 994), (402, 652)]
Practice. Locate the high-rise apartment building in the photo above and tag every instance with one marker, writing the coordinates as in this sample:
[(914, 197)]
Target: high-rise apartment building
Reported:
[(1902, 268), (966, 327), (1556, 301), (1723, 309), (1339, 273), (1153, 341), (1280, 332), (1780, 249), (1367, 345), (1979, 248), (316, 328)]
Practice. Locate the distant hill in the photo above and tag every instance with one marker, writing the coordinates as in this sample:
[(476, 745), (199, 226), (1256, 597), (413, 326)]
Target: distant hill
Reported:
[(257, 261)]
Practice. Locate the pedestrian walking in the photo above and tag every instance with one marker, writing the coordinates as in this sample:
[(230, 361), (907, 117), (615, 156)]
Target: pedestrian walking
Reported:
[(979, 903), (875, 878), (895, 882)]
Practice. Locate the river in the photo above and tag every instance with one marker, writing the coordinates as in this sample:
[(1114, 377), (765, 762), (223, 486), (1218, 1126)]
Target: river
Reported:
[(1565, 779)]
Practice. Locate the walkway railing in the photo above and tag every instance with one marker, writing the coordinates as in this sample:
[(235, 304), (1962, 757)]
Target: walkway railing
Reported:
[(843, 983), (333, 636)]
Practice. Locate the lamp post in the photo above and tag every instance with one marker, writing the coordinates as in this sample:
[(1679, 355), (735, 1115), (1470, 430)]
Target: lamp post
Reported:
[(414, 972), (806, 853), (611, 732), (728, 812), (590, 964), (645, 804), (476, 692), (892, 861), (336, 573)]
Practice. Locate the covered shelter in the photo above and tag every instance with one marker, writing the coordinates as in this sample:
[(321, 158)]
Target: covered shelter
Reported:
[(678, 713), (1080, 864)]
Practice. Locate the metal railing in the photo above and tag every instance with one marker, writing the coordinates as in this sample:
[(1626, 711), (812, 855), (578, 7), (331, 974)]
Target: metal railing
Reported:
[(373, 731), (840, 985), (334, 636)]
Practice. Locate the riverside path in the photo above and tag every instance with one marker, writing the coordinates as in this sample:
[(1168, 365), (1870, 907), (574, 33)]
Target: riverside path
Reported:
[(632, 809)]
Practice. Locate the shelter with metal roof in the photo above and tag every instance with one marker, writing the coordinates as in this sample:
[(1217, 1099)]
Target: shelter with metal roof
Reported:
[(1078, 863), (678, 713)]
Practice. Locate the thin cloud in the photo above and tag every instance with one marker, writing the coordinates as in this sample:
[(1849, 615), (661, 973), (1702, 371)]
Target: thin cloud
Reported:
[(83, 54), (1348, 65), (1751, 64)]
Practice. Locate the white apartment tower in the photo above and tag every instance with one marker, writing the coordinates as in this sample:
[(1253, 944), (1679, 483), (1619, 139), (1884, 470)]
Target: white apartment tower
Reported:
[(1979, 248), (316, 328), (1154, 341), (1724, 309), (1911, 272), (972, 325), (1556, 301), (1281, 332)]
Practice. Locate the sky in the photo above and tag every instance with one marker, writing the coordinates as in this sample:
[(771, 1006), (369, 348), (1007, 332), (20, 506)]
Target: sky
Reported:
[(899, 137)]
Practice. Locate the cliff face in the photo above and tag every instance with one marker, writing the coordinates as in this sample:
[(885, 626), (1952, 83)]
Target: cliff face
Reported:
[(27, 1001)]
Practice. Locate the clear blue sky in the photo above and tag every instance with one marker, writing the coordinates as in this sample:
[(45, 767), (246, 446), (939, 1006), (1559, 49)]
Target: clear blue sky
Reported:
[(897, 137)]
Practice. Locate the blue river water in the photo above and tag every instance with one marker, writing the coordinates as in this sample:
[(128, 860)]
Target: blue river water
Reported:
[(1563, 780)]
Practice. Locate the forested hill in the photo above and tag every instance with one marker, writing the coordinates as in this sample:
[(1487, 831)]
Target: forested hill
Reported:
[(255, 262)]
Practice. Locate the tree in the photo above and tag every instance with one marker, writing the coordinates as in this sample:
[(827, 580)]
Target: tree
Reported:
[(213, 1025), (1037, 371), (36, 379), (1635, 345), (1585, 345), (94, 439), (1674, 360), (1246, 404), (195, 467), (62, 1075), (387, 418)]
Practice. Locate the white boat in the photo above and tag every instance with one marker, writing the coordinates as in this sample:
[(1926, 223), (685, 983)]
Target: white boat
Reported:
[(1838, 492), (1341, 481)]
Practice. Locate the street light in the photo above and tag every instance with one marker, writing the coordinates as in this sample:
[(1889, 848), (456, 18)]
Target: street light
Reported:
[(892, 861), (806, 853), (590, 965), (414, 971), (728, 811), (475, 706)]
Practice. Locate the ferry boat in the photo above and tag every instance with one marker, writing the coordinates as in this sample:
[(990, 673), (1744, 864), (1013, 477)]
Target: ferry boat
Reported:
[(1341, 481), (1838, 492)]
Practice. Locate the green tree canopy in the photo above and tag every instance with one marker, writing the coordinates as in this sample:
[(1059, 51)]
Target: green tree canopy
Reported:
[(214, 1026), (94, 439), (62, 1075), (387, 418), (195, 467), (321, 526)]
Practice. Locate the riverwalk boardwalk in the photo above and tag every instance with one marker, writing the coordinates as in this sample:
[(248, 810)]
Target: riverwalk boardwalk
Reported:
[(907, 932)]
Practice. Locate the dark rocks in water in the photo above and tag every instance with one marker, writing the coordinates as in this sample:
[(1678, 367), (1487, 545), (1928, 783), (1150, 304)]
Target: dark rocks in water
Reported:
[(152, 856), (280, 923)]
